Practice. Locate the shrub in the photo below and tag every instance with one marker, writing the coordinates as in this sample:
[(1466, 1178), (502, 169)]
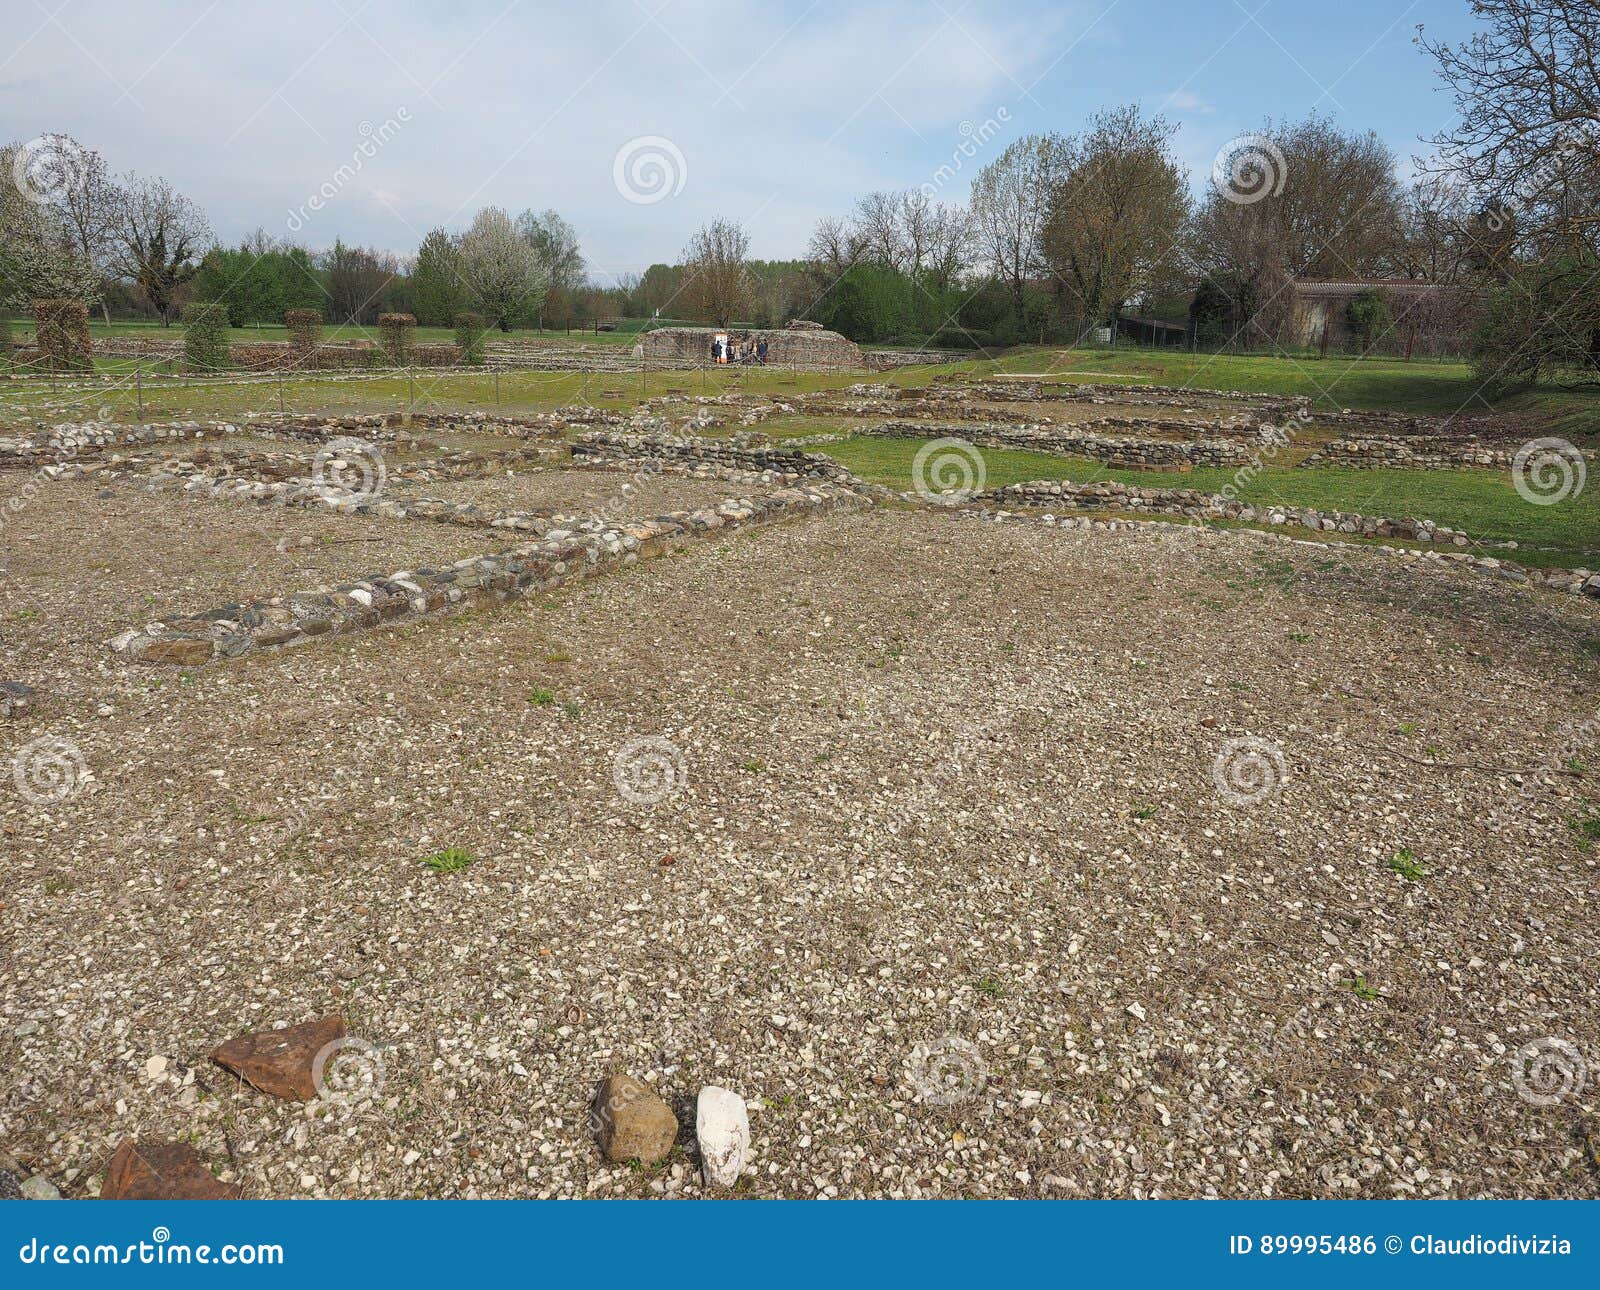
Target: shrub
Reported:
[(470, 328), (397, 331), (5, 340), (205, 335), (1368, 317), (1543, 323), (61, 330), (305, 327)]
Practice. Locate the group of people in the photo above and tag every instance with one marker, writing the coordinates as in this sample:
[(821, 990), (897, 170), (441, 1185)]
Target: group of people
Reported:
[(724, 350)]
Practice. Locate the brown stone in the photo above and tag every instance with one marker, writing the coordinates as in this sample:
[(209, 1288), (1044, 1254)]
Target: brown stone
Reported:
[(184, 653), (162, 1171), (631, 1122), (280, 1061)]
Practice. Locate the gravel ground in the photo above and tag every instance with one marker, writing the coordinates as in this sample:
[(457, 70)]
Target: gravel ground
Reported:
[(77, 568), (579, 490), (961, 819)]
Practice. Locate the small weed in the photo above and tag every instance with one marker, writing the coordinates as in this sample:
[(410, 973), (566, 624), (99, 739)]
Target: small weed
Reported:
[(1144, 812), (1574, 764), (541, 697), (450, 860), (558, 656), (573, 710), (1587, 831), (1408, 727), (1357, 985), (754, 767), (1406, 865), (989, 986), (1300, 638)]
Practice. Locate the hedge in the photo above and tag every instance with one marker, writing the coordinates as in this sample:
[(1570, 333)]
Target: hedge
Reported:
[(397, 331), (470, 329), (205, 335), (61, 330)]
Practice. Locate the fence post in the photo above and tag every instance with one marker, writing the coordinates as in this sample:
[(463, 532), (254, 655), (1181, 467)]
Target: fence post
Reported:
[(497, 387), (138, 387), (280, 391), (411, 388)]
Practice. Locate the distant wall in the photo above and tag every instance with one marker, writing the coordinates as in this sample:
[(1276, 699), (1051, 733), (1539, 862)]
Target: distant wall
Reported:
[(809, 348)]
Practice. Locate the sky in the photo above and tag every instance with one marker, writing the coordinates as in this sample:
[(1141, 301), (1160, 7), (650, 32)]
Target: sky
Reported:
[(640, 119)]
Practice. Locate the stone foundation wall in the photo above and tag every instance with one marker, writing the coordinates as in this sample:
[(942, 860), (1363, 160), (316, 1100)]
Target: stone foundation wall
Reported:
[(621, 450), (1077, 441), (1424, 452), (561, 555), (1198, 504)]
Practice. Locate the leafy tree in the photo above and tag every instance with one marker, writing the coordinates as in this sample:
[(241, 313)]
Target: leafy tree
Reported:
[(357, 281), (469, 336), (1368, 316), (39, 257), (438, 284), (1116, 217), (506, 278)]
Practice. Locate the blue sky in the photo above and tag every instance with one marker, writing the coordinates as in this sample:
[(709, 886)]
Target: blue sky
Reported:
[(639, 120)]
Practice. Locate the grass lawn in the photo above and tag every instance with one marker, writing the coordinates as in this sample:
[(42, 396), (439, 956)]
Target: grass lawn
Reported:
[(1483, 504), (1424, 387), (449, 389), (22, 332)]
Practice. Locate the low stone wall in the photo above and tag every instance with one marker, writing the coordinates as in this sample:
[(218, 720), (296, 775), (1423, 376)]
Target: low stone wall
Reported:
[(622, 450), (1196, 503), (1572, 582), (1076, 441), (1424, 452), (560, 556)]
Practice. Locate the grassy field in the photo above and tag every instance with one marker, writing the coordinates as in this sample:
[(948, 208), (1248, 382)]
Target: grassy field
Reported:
[(1423, 387), (22, 332), (1483, 504)]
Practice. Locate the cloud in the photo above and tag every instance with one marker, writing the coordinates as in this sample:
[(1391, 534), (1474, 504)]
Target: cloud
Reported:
[(1189, 101)]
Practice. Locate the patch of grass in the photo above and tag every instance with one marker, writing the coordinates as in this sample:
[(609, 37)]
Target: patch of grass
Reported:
[(1481, 503), (1407, 865), (991, 987), (1300, 638), (541, 697), (450, 860), (1144, 812), (1587, 831), (1408, 727)]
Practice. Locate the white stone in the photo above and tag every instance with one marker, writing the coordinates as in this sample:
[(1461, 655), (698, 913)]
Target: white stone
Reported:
[(156, 1067), (722, 1126)]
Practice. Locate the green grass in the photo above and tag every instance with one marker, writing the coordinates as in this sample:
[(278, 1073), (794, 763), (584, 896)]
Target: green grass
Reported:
[(1421, 386), (1483, 504), (1404, 863), (450, 860)]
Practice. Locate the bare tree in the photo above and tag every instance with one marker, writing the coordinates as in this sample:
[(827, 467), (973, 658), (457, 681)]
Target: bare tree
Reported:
[(1010, 202), (1527, 126), (1117, 216), (159, 235), (949, 243), (833, 248), (717, 286)]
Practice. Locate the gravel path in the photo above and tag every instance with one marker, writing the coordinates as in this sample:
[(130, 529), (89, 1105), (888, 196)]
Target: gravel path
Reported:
[(946, 888)]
